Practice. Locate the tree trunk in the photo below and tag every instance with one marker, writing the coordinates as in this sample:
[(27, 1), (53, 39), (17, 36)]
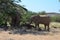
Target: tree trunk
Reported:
[(15, 22)]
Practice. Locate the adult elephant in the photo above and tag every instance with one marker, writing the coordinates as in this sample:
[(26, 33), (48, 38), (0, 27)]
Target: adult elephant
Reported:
[(40, 20)]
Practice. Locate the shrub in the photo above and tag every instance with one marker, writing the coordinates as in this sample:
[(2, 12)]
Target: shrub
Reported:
[(25, 18), (55, 19)]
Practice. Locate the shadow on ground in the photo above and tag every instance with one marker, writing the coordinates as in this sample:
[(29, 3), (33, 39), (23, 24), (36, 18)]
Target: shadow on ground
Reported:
[(34, 32), (30, 31)]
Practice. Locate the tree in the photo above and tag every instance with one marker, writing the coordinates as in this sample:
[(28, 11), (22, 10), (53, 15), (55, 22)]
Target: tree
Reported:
[(42, 13), (12, 10)]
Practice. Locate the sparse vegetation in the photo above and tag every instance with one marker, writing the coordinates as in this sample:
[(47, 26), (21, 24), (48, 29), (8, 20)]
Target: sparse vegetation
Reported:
[(55, 19)]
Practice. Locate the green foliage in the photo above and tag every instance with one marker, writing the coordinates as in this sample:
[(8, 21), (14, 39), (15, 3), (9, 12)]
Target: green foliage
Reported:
[(58, 18), (9, 9), (3, 18), (26, 17), (55, 18), (42, 13)]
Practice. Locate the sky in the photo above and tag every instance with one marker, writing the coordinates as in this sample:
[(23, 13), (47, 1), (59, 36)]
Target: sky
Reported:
[(41, 5)]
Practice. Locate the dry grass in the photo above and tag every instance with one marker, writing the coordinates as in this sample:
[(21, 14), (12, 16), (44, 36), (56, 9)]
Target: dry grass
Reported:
[(55, 24), (54, 34)]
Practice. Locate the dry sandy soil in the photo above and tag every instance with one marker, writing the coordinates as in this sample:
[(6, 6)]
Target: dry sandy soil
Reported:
[(54, 34)]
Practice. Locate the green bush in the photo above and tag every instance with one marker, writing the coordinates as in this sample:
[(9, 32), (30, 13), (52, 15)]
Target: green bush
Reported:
[(55, 19), (58, 19), (25, 18)]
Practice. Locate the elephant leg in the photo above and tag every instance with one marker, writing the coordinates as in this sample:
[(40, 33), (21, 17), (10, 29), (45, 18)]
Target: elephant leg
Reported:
[(35, 25), (48, 28), (45, 27), (38, 25)]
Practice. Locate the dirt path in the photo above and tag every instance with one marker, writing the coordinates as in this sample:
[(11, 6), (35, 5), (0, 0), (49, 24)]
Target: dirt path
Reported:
[(5, 36)]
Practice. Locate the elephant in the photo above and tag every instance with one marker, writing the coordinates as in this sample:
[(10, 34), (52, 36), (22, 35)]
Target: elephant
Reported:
[(37, 19)]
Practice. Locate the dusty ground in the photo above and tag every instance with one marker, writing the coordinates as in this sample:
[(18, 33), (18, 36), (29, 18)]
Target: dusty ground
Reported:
[(5, 36), (54, 34)]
